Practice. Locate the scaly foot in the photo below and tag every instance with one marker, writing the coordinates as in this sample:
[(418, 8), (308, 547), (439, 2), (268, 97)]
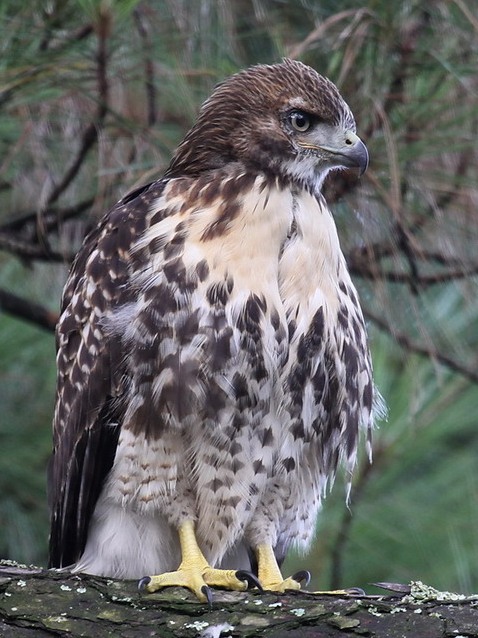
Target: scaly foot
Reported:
[(270, 576), (199, 580), (195, 573), (271, 579)]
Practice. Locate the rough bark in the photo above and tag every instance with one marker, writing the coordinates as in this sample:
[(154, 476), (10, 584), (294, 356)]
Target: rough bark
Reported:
[(38, 603)]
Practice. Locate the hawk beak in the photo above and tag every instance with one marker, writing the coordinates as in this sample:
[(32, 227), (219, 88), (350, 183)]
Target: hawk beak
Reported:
[(353, 154)]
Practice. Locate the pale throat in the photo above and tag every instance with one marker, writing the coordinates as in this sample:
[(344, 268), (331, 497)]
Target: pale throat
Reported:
[(312, 263), (250, 248)]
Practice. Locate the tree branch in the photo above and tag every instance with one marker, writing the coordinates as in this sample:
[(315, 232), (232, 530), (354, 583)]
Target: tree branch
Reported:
[(25, 250), (50, 218), (40, 603), (420, 281), (148, 65), (406, 342), (90, 135), (365, 471), (27, 310)]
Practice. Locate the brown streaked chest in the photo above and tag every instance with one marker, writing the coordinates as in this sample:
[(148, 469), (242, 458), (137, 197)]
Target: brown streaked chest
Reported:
[(246, 255)]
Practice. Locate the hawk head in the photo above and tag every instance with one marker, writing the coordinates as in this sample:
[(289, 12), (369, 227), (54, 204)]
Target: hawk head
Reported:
[(284, 119)]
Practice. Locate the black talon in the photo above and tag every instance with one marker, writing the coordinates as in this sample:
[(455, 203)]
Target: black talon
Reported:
[(207, 591), (250, 578), (144, 582), (302, 575)]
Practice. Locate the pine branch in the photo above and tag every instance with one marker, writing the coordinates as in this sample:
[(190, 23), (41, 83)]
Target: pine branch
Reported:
[(419, 281), (427, 351), (25, 250), (144, 34), (90, 134), (50, 219), (27, 310)]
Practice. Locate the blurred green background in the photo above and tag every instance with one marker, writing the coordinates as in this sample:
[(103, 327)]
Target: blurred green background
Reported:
[(94, 97)]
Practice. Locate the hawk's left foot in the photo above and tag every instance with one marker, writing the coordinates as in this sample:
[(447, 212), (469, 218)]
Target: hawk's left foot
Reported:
[(196, 574), (270, 576)]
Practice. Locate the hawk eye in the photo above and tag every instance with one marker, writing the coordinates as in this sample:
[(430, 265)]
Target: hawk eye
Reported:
[(300, 121)]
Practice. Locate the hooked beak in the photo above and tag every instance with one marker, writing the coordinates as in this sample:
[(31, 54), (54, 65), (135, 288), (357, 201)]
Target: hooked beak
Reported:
[(356, 153), (353, 154)]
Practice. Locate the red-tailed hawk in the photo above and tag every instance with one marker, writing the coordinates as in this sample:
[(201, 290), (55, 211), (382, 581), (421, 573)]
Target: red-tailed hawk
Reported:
[(213, 366)]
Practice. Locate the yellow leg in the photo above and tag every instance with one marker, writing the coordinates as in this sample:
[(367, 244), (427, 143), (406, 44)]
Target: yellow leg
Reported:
[(270, 576), (194, 572), (271, 579)]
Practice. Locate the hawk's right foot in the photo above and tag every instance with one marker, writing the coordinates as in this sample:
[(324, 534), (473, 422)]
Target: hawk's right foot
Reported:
[(196, 574)]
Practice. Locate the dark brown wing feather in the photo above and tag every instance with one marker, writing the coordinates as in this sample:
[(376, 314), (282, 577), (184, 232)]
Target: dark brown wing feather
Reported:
[(90, 374)]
